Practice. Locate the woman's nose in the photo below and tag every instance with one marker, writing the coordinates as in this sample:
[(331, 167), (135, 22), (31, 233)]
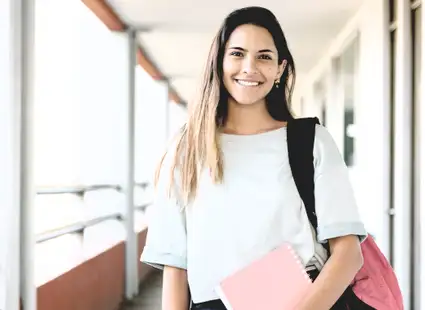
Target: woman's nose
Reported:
[(250, 65)]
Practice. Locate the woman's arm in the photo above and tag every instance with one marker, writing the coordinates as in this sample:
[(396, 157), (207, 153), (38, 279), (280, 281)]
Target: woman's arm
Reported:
[(175, 289), (336, 275)]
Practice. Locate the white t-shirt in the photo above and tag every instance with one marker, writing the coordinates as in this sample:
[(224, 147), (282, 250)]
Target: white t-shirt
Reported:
[(254, 210)]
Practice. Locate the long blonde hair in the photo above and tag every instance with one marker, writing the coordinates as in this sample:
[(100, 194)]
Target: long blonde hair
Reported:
[(198, 144)]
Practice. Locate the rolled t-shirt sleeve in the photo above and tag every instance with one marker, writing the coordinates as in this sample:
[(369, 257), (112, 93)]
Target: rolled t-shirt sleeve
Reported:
[(166, 236), (336, 207)]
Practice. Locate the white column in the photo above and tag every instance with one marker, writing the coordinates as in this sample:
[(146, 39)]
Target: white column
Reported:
[(9, 152), (384, 156), (16, 180), (131, 259), (403, 151), (417, 241), (421, 160), (27, 242)]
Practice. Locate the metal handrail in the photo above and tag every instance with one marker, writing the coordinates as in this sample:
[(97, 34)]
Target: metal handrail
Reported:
[(81, 190), (75, 227), (78, 190), (79, 227), (142, 207), (143, 185)]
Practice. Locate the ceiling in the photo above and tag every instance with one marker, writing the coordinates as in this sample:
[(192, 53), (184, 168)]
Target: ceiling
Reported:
[(176, 34)]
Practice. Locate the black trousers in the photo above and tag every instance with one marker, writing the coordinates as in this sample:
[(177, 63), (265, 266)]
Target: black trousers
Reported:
[(341, 304)]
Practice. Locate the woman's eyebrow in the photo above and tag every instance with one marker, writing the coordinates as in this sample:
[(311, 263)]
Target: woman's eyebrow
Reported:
[(237, 48), (244, 50), (265, 51)]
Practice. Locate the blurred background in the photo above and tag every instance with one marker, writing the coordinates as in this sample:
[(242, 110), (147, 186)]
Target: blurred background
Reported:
[(92, 90)]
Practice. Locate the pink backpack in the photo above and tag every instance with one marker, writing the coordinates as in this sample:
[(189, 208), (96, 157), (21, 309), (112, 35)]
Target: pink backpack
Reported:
[(375, 286)]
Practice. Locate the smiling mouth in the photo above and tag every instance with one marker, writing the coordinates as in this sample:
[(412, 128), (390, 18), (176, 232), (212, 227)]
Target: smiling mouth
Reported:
[(248, 83)]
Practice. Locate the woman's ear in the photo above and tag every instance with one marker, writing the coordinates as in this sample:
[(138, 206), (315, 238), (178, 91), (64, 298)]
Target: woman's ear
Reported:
[(282, 68)]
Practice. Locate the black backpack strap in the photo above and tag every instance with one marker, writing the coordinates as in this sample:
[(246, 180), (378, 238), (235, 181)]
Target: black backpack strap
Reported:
[(300, 140)]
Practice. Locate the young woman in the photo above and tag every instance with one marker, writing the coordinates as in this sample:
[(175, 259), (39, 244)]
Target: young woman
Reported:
[(225, 192)]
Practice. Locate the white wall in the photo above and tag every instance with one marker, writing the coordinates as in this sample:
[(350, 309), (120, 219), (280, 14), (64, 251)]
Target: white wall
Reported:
[(9, 154), (370, 174), (57, 94), (178, 115), (372, 118), (152, 105)]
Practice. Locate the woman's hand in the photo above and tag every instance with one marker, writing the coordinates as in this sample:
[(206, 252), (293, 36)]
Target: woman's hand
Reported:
[(339, 271)]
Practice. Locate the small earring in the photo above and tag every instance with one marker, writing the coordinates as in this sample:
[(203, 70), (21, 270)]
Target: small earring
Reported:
[(276, 83)]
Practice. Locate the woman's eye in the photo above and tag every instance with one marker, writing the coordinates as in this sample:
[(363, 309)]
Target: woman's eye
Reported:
[(237, 54), (267, 57)]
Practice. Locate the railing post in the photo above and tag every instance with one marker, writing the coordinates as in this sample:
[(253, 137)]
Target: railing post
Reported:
[(131, 259)]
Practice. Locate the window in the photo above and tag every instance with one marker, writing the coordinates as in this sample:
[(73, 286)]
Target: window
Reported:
[(348, 75), (320, 99)]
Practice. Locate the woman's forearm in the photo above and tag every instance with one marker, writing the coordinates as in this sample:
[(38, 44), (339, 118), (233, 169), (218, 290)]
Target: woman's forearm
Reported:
[(175, 291), (336, 275)]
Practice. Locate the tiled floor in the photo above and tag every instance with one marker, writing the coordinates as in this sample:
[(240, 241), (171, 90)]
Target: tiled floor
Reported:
[(150, 294)]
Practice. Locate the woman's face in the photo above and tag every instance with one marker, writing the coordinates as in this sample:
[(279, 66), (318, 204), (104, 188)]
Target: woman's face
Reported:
[(250, 64)]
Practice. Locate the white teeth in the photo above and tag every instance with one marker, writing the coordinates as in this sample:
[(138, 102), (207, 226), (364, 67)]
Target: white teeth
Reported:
[(247, 83)]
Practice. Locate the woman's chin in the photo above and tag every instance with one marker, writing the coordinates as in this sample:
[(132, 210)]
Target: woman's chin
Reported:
[(246, 101)]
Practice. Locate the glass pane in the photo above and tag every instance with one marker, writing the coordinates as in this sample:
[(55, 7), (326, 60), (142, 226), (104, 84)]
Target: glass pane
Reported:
[(348, 77), (321, 100)]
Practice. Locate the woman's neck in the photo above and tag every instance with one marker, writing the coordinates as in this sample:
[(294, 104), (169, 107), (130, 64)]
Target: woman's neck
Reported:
[(249, 119)]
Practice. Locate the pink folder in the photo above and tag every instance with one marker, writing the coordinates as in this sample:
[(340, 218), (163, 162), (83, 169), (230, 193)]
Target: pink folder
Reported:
[(277, 281)]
